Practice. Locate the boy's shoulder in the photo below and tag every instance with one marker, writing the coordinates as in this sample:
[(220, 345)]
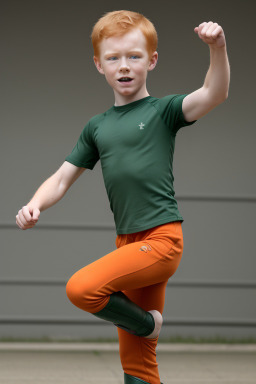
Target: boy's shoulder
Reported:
[(164, 99), (97, 118)]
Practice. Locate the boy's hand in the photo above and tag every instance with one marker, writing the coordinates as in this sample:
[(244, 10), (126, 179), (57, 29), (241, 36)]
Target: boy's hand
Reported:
[(212, 34), (27, 217)]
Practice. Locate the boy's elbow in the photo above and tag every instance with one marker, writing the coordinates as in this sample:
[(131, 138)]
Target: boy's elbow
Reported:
[(223, 98)]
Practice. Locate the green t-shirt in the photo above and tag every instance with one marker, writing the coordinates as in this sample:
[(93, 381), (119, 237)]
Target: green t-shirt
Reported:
[(135, 144)]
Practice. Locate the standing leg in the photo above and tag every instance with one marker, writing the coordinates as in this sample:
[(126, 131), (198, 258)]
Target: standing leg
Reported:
[(138, 354)]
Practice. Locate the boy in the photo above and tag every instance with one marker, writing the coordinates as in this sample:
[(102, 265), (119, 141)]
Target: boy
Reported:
[(134, 141)]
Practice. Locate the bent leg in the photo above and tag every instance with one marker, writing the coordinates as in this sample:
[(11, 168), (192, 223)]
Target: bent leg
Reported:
[(148, 261)]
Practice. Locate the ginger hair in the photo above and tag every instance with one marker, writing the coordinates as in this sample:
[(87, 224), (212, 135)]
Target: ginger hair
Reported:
[(117, 23)]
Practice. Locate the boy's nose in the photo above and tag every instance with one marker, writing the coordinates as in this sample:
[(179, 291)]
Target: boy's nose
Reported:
[(124, 65)]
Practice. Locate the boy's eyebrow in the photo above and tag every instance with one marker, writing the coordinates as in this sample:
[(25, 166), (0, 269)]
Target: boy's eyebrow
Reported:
[(116, 53)]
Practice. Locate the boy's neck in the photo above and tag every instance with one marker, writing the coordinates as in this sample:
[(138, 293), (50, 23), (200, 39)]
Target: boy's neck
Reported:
[(122, 100)]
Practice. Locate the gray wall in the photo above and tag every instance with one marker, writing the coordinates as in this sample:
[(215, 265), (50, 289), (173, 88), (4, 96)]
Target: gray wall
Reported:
[(49, 90)]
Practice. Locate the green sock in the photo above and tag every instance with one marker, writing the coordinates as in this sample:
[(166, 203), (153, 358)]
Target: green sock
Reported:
[(128, 379), (127, 315)]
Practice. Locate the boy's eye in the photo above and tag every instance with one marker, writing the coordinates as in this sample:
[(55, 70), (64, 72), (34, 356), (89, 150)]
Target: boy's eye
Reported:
[(114, 57)]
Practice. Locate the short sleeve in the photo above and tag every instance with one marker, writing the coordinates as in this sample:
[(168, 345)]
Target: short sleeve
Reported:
[(85, 153), (170, 108)]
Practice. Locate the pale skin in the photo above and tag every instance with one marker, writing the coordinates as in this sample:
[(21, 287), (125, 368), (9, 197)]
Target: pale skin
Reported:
[(127, 56)]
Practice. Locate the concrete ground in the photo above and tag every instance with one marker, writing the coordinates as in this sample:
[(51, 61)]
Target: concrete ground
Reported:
[(79, 363)]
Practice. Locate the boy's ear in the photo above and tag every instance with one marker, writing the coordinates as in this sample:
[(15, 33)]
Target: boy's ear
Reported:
[(98, 65), (153, 61)]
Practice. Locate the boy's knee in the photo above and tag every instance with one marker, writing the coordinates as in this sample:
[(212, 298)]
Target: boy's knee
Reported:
[(73, 291), (82, 294)]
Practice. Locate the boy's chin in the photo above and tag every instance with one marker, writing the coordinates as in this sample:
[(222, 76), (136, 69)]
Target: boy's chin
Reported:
[(126, 92)]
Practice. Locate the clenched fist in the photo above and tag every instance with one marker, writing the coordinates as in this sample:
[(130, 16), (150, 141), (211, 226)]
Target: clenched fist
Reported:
[(27, 217), (211, 34)]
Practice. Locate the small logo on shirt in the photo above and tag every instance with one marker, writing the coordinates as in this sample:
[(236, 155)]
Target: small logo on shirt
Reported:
[(141, 125)]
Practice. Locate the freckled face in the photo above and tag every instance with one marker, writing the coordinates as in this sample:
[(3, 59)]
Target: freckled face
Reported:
[(126, 56)]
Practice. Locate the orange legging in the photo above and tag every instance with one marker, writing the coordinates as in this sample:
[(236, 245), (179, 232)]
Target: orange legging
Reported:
[(140, 267)]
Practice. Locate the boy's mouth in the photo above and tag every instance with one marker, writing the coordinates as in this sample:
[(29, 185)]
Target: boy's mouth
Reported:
[(125, 79)]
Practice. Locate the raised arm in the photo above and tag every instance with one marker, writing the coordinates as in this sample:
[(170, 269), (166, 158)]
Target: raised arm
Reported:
[(216, 85), (48, 194)]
